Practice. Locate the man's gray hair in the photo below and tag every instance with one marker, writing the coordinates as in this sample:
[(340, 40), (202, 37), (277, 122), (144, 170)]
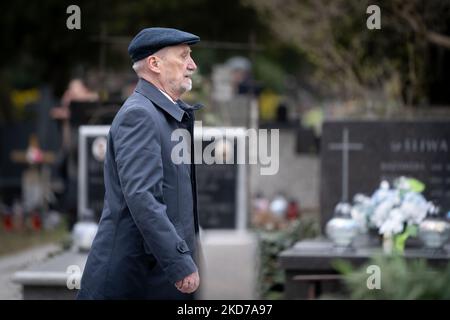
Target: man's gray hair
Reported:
[(138, 66)]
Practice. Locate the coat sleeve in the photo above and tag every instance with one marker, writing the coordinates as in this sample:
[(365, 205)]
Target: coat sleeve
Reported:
[(140, 169)]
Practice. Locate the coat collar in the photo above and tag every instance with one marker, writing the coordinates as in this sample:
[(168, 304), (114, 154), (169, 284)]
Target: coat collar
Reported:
[(183, 105), (152, 93)]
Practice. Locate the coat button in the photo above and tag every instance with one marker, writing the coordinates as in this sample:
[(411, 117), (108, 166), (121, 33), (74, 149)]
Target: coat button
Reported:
[(182, 246)]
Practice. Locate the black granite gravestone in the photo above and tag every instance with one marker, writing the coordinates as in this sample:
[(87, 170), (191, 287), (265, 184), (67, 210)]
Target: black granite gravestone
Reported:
[(217, 197), (357, 155)]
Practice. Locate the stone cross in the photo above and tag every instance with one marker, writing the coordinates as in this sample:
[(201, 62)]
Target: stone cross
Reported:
[(345, 146)]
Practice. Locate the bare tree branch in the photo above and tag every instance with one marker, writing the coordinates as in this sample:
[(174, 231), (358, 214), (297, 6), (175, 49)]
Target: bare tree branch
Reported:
[(438, 39), (410, 14)]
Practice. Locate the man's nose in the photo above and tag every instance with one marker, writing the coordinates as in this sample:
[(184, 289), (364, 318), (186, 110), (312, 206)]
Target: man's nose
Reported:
[(191, 65)]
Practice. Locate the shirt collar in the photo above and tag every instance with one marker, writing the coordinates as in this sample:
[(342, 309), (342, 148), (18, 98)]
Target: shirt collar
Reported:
[(167, 96)]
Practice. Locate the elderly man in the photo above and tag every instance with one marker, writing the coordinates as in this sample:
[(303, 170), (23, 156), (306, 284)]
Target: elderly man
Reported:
[(146, 244)]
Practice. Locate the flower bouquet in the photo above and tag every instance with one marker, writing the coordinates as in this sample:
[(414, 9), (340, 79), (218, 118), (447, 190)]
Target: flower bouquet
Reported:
[(394, 211)]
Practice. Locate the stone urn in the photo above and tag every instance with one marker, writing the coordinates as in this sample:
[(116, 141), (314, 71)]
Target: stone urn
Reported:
[(342, 228), (434, 231)]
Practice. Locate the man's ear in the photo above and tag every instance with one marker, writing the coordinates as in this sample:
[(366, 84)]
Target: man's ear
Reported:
[(154, 64)]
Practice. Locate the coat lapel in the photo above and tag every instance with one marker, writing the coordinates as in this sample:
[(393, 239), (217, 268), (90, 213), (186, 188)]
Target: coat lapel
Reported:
[(160, 100)]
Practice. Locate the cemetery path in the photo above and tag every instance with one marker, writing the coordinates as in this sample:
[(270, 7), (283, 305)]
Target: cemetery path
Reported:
[(9, 264)]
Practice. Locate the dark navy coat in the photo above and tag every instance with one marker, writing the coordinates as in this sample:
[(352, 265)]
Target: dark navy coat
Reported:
[(147, 234)]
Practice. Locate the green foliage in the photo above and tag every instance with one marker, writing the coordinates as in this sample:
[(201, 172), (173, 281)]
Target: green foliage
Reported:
[(272, 243), (400, 239), (270, 73), (401, 278), (416, 185)]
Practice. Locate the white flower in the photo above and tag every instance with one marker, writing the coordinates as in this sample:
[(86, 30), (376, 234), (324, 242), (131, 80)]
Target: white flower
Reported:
[(382, 211), (415, 207), (393, 224)]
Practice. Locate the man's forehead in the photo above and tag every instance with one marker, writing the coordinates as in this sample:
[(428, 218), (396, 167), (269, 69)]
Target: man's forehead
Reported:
[(174, 50), (181, 48)]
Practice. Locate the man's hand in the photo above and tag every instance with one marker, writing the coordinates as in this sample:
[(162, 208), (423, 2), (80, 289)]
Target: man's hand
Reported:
[(189, 284)]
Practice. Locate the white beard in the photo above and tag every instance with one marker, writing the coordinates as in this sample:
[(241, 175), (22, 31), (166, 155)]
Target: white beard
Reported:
[(188, 87)]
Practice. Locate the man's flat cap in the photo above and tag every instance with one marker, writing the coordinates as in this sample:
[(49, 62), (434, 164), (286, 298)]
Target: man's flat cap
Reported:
[(150, 40)]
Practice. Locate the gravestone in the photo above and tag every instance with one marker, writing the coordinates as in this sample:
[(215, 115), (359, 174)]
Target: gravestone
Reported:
[(83, 113), (217, 198), (91, 188), (357, 155), (221, 187)]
